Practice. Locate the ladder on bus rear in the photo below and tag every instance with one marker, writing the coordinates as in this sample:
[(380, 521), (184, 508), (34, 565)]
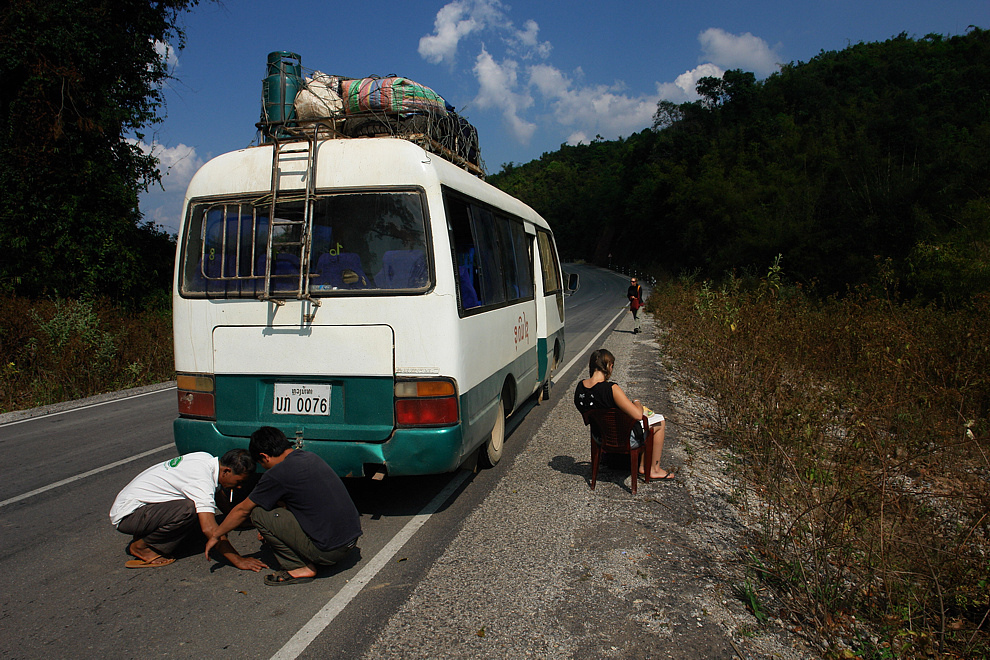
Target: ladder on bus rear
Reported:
[(285, 155)]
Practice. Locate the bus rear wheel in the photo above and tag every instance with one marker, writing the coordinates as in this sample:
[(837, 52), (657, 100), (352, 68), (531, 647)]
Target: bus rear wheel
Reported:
[(491, 452)]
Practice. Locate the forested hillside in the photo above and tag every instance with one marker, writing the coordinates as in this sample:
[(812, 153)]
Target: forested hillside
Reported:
[(871, 162)]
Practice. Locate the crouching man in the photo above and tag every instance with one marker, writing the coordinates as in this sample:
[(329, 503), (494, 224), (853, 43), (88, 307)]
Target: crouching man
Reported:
[(299, 506), (163, 504)]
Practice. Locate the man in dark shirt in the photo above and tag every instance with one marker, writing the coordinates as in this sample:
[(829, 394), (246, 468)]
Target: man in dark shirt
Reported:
[(300, 507)]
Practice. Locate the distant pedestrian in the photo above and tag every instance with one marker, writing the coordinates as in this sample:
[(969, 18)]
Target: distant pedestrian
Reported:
[(300, 507), (635, 295), (163, 504)]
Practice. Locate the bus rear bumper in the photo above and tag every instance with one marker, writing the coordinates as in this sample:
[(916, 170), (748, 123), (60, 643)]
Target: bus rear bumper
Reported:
[(406, 452)]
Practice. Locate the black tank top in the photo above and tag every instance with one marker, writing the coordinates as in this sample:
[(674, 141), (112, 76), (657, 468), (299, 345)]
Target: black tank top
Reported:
[(596, 397)]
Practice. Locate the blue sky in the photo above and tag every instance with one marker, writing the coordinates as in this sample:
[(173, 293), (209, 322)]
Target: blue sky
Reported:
[(530, 75)]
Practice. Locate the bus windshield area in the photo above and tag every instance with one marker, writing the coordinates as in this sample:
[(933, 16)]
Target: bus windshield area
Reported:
[(357, 242)]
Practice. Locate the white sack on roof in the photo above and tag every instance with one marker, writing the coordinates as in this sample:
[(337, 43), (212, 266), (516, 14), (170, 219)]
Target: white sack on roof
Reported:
[(319, 97)]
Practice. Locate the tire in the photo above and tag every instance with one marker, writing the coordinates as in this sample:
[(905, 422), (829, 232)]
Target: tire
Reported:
[(367, 127), (436, 127), (491, 451), (545, 392)]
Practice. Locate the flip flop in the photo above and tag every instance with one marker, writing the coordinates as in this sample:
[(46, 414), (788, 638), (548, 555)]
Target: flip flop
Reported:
[(669, 477), (157, 562), (283, 578)]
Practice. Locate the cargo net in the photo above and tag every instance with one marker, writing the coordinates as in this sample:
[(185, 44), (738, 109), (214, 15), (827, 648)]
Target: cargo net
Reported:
[(329, 107)]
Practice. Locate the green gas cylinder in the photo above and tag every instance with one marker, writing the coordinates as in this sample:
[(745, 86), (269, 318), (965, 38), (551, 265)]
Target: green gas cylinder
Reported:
[(281, 84)]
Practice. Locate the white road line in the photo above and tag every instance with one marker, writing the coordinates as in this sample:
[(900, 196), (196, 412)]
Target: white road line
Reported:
[(295, 646), (91, 405), (38, 491)]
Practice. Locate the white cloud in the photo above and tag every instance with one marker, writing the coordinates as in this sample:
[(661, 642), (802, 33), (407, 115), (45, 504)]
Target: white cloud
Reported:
[(549, 80), (738, 51), (167, 53), (452, 24), (687, 82), (684, 87), (461, 18), (499, 89), (527, 42), (578, 137), (177, 166), (180, 162), (528, 35), (568, 101), (599, 108)]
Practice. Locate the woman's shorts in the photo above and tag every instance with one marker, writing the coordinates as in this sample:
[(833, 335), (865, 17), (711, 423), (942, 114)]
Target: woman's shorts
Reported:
[(637, 435)]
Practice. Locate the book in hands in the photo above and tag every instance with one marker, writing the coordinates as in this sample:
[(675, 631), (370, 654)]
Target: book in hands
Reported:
[(652, 417)]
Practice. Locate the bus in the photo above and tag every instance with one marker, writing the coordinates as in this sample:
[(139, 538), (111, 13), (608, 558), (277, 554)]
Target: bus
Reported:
[(382, 306)]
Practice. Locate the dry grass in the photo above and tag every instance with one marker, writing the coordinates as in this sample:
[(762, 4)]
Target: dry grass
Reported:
[(59, 350), (863, 426)]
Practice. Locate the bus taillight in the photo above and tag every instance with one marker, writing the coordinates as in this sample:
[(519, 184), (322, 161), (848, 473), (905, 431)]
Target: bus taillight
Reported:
[(425, 403), (196, 396)]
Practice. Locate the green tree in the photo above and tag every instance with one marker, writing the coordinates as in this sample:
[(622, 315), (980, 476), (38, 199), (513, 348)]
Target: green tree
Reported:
[(81, 80)]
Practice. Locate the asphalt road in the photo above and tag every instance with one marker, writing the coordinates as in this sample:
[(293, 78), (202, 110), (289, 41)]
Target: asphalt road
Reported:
[(66, 592)]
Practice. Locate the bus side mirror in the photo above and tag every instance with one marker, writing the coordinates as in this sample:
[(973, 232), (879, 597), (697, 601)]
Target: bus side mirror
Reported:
[(572, 282)]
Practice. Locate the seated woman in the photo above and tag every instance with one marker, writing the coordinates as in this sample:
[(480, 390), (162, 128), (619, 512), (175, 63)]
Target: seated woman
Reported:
[(597, 392)]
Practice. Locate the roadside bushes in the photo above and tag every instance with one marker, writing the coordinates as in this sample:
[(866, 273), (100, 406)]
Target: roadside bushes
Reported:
[(861, 425), (63, 349)]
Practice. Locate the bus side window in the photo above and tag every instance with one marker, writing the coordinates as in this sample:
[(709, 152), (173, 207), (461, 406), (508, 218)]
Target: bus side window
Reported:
[(516, 261), (459, 223), (548, 260), (492, 278)]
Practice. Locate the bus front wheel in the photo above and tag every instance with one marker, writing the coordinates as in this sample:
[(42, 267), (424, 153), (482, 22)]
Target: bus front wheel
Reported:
[(491, 452)]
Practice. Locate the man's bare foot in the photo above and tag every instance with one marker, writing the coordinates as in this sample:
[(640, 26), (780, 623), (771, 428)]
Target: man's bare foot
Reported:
[(306, 571), (141, 550)]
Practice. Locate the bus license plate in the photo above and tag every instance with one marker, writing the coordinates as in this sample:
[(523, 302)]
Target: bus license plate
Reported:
[(293, 399)]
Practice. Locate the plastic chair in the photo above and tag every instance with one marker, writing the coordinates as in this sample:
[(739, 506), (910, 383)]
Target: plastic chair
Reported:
[(402, 269), (469, 297), (333, 268), (610, 433)]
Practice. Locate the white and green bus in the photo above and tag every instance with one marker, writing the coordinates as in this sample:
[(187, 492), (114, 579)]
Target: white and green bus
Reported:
[(380, 305)]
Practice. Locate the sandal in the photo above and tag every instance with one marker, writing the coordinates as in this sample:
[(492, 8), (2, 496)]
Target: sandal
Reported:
[(157, 562), (282, 578)]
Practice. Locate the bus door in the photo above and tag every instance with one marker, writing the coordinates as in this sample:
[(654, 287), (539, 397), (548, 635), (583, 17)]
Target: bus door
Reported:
[(551, 307)]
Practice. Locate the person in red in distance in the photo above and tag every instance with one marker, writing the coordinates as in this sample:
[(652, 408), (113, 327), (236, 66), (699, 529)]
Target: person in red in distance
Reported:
[(635, 295)]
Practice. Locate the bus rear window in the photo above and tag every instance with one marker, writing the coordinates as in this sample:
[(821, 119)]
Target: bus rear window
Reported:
[(358, 242)]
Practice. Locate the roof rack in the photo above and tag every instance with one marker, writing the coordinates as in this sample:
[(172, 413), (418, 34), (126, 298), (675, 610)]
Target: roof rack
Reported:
[(438, 134), (325, 107)]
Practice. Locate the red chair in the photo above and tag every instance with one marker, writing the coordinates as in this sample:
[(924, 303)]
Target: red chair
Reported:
[(613, 428)]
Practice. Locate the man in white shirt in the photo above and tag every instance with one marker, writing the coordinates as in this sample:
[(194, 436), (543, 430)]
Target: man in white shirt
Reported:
[(160, 506)]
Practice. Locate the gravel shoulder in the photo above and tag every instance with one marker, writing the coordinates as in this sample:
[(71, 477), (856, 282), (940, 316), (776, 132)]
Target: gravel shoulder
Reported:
[(548, 568)]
